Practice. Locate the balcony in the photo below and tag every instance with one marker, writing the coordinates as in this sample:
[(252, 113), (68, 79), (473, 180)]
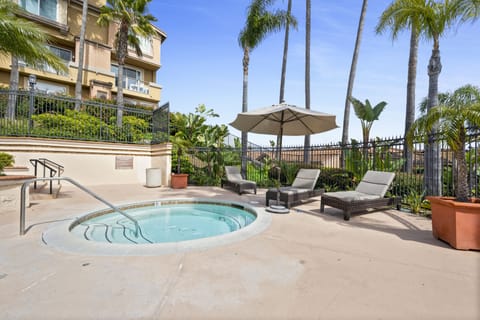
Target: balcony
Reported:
[(137, 86)]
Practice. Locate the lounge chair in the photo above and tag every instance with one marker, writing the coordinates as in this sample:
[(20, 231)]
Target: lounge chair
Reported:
[(369, 194), (302, 188), (233, 178)]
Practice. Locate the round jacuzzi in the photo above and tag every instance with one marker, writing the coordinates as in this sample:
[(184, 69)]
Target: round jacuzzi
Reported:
[(157, 227)]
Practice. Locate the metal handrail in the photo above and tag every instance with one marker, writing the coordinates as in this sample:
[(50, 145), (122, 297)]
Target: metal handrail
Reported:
[(23, 198), (47, 164)]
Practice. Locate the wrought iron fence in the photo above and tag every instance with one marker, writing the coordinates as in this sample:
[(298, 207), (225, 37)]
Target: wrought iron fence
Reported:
[(344, 165), (35, 114)]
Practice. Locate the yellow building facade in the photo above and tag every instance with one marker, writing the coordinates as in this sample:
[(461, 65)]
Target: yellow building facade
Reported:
[(62, 19)]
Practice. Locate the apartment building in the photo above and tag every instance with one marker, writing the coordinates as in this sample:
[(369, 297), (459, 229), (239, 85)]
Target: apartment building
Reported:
[(62, 20)]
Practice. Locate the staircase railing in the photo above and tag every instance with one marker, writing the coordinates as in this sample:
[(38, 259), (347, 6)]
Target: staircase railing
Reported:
[(93, 194), (54, 168)]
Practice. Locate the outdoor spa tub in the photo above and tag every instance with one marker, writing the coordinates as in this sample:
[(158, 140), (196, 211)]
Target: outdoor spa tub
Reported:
[(159, 227)]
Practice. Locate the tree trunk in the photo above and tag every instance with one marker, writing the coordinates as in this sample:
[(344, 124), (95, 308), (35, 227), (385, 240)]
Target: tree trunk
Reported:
[(433, 173), (285, 54), (308, 27), (122, 50), (246, 61), (410, 107), (12, 97), (351, 78), (281, 98), (461, 184), (81, 46)]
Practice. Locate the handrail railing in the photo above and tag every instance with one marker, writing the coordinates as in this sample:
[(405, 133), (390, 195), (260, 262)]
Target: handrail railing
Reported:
[(47, 164), (96, 196)]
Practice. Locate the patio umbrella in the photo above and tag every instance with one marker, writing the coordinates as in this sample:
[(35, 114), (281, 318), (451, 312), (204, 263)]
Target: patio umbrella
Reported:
[(284, 119)]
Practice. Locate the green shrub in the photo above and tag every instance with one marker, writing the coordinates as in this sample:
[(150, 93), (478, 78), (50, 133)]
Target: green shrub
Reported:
[(5, 161), (334, 179)]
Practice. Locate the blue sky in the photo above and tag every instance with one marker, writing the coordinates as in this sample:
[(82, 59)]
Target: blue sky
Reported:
[(202, 63)]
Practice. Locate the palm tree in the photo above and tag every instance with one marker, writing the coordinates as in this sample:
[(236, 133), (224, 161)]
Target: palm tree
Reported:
[(367, 115), (308, 27), (22, 39), (434, 19), (452, 117), (351, 78), (393, 18), (133, 22), (260, 23), (81, 46)]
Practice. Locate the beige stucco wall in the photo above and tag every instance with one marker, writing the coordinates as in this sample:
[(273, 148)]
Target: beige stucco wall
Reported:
[(92, 163)]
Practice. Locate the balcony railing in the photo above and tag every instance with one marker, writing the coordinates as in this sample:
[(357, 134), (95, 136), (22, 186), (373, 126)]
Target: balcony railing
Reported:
[(136, 85)]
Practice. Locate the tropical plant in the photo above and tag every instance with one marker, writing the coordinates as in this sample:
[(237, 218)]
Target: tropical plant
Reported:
[(133, 22), (351, 77), (415, 200), (260, 23), (395, 19), (367, 116), (81, 49), (22, 39), (459, 111), (6, 160), (187, 130)]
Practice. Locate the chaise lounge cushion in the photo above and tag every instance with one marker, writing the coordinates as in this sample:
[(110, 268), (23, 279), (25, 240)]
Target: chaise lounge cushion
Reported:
[(302, 188), (234, 179), (370, 193)]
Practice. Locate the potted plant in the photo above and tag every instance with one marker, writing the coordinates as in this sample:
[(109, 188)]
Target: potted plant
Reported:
[(454, 220)]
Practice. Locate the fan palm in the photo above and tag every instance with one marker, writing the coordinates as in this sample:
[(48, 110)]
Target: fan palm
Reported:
[(133, 22), (456, 112), (260, 23)]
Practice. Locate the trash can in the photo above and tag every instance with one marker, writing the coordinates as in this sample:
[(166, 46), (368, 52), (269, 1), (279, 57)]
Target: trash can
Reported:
[(154, 177)]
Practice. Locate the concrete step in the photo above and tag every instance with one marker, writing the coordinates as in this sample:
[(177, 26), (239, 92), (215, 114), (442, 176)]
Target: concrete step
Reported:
[(42, 191)]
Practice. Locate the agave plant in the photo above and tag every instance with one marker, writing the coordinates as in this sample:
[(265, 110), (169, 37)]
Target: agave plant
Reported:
[(457, 113)]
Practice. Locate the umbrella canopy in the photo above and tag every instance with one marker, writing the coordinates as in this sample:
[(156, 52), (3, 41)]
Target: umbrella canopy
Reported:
[(284, 119)]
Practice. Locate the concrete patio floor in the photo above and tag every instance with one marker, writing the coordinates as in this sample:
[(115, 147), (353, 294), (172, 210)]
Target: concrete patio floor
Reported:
[(306, 265)]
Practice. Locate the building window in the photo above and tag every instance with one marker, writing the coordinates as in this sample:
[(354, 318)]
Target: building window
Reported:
[(50, 88), (44, 8), (145, 44), (64, 54), (131, 77)]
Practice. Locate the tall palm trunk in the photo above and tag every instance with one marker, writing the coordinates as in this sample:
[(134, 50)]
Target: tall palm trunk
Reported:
[(12, 98), (433, 174), (121, 54), (353, 69), (308, 27), (81, 48), (281, 98), (246, 61), (461, 178), (410, 107), (285, 54)]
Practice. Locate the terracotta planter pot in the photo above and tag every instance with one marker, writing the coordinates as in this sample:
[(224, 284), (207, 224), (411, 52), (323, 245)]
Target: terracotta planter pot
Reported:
[(457, 223), (179, 180)]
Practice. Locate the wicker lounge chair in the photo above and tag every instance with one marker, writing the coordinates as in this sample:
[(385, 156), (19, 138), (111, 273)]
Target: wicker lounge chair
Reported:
[(369, 194), (302, 188), (233, 178)]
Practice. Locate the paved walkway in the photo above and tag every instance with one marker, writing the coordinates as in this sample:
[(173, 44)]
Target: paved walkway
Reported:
[(306, 265)]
